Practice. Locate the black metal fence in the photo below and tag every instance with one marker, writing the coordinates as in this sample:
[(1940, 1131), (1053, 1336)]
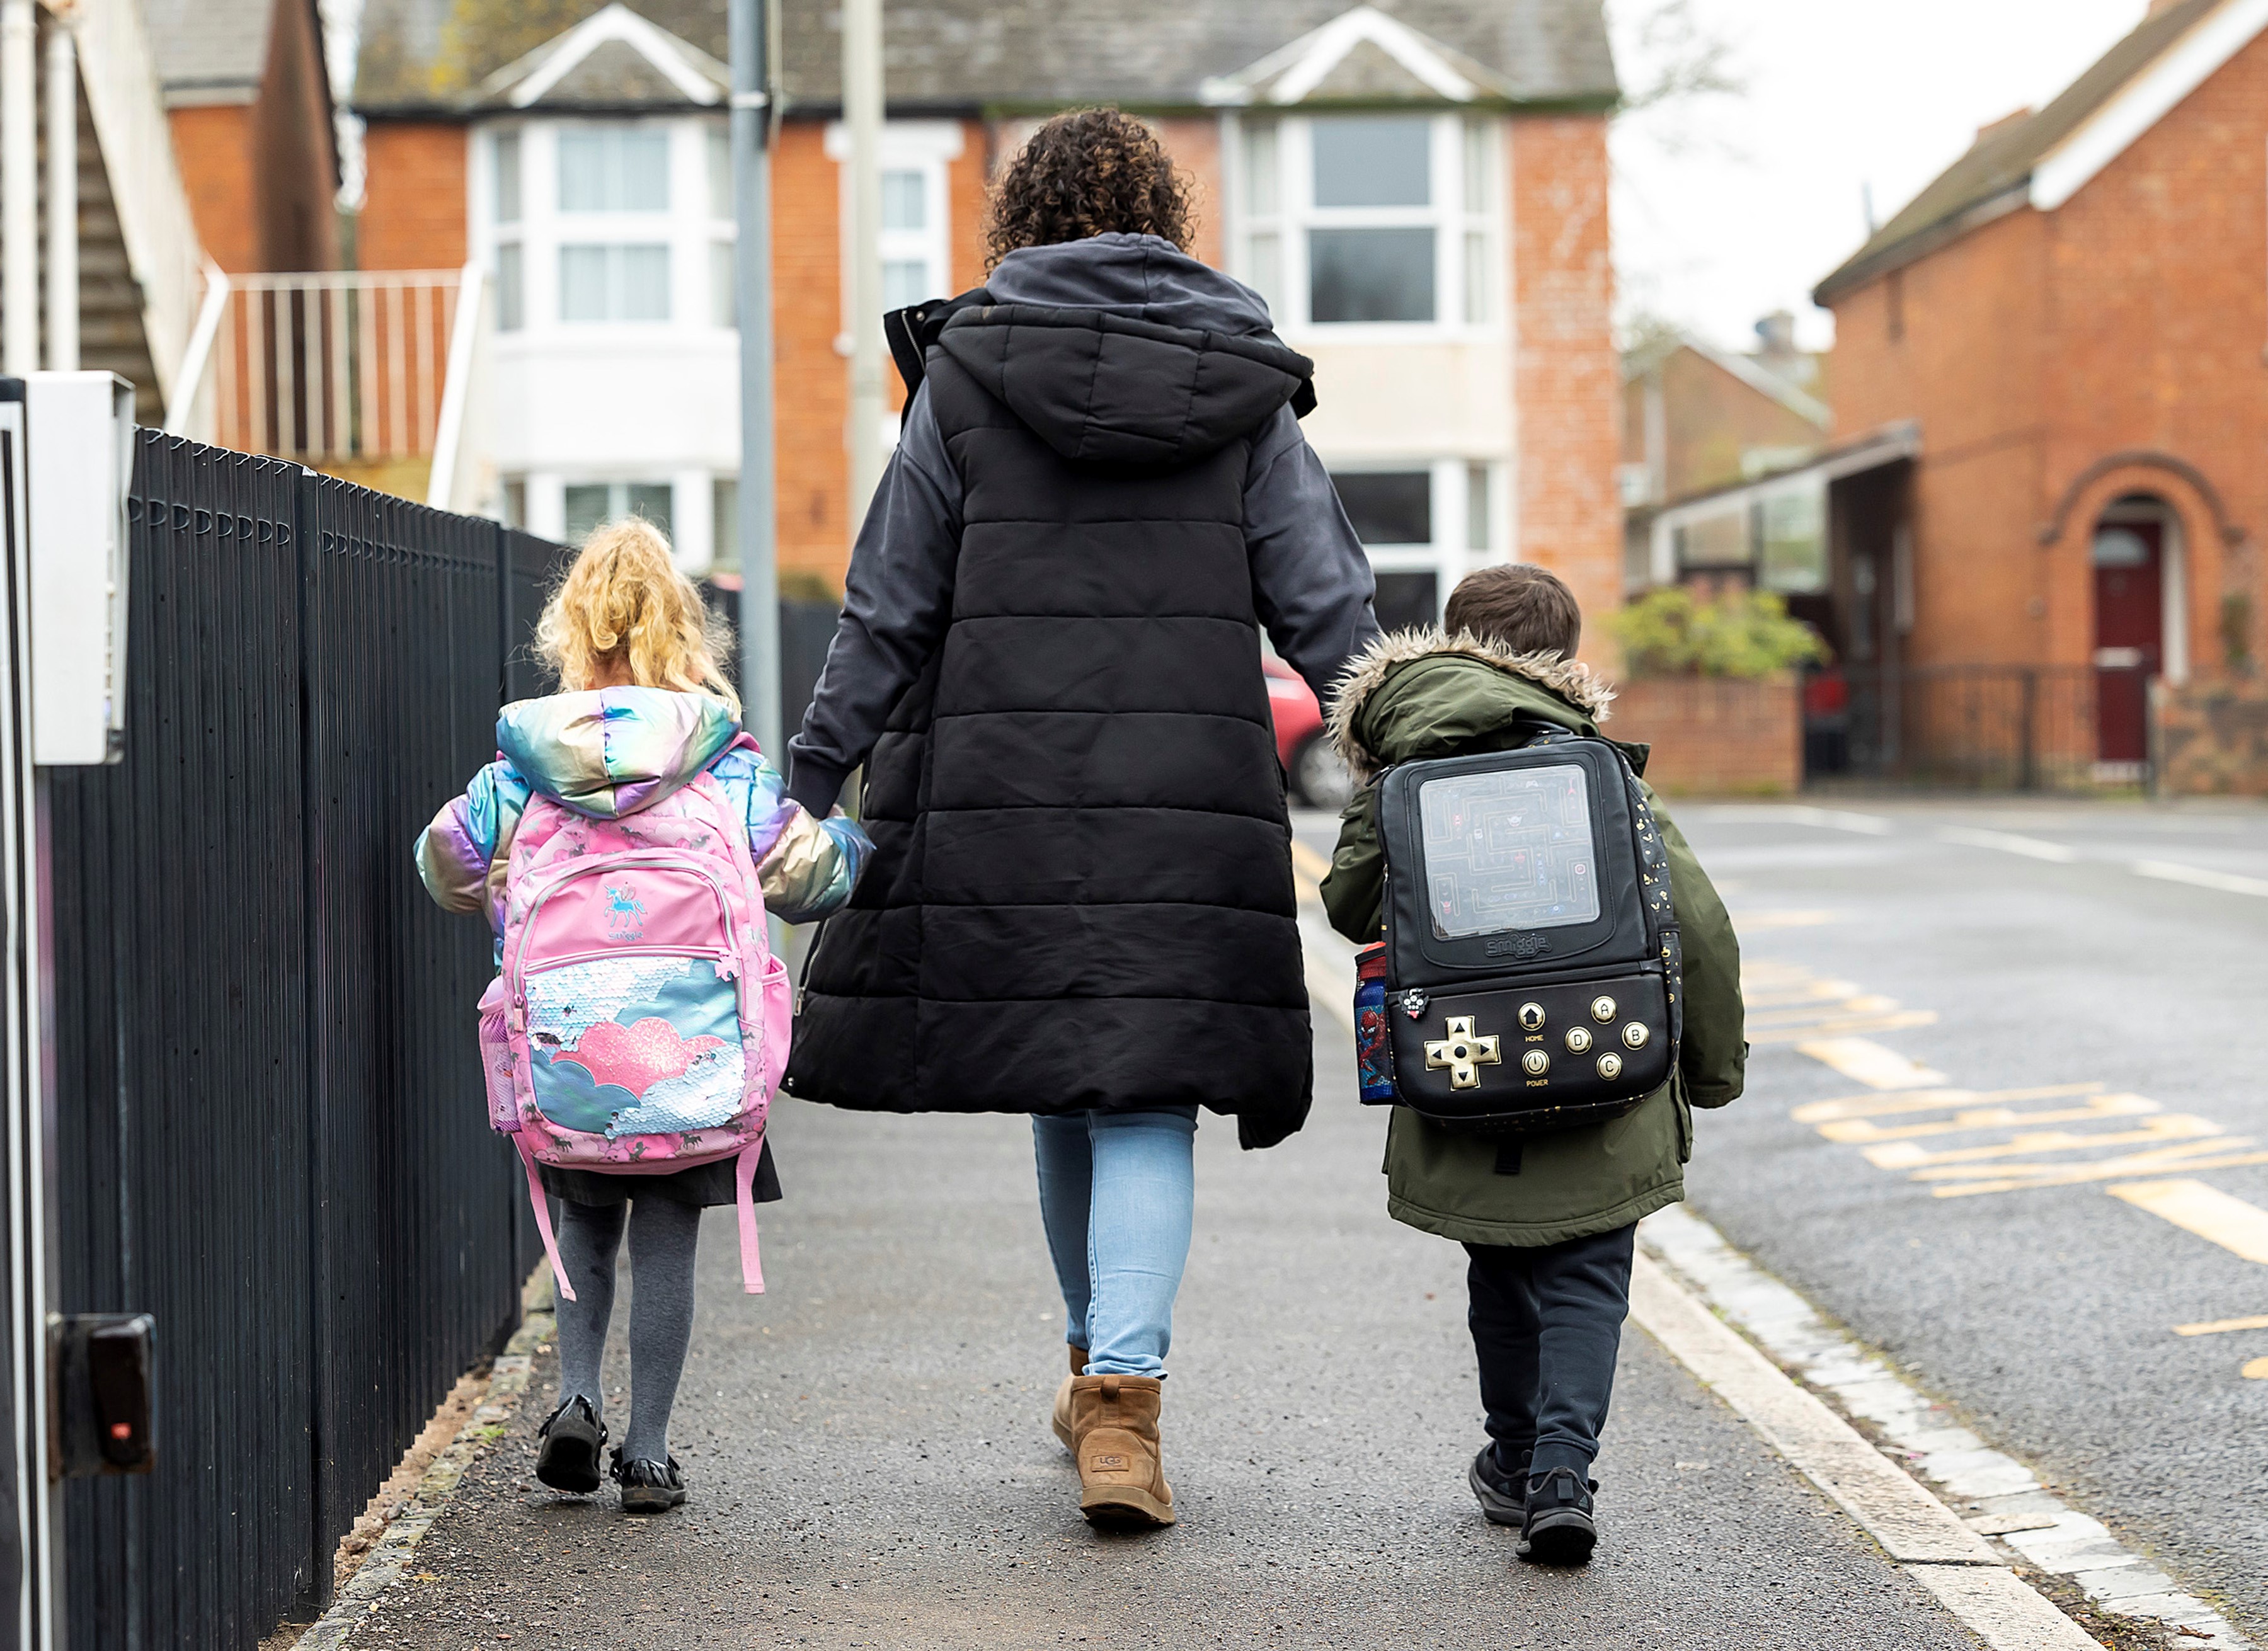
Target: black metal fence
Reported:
[(270, 1129), (2007, 727)]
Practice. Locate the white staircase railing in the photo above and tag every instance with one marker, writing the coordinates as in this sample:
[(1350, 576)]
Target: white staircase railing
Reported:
[(331, 366)]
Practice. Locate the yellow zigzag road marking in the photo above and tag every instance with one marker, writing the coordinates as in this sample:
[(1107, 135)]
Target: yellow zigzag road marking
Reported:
[(2239, 1227), (2221, 1326), (1900, 1022), (2021, 1177), (2173, 1126), (1864, 1061), (1851, 1131), (1818, 992), (1869, 1106), (1823, 1009)]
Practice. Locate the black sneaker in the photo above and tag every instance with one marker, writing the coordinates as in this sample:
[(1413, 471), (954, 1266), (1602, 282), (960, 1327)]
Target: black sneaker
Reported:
[(569, 1459), (649, 1487), (1503, 1496), (1560, 1529)]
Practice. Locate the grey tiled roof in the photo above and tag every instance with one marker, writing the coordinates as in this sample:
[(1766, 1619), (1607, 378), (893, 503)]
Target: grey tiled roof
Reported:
[(1996, 173), (974, 54), (210, 51)]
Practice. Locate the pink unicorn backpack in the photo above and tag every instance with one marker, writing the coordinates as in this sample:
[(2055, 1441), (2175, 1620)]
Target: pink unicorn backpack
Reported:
[(640, 1023)]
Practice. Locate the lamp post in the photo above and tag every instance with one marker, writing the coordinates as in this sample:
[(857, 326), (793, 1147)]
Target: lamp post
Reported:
[(862, 119), (749, 32)]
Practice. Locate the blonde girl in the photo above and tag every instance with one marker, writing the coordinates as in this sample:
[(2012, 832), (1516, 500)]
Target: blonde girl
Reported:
[(644, 707)]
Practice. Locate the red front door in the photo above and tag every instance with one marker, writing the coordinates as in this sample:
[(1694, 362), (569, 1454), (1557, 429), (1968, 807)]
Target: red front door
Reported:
[(2129, 630)]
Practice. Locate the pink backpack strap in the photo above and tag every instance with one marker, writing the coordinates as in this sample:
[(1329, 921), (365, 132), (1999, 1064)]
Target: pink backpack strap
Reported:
[(744, 1199), (543, 1213)]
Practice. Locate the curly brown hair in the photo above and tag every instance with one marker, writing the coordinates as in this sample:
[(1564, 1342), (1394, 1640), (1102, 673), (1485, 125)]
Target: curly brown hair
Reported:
[(1087, 172)]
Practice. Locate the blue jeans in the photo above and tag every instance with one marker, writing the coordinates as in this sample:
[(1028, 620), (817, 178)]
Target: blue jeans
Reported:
[(1118, 1191)]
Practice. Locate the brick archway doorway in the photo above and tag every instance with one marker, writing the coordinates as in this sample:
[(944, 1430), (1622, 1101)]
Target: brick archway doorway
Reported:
[(2135, 570)]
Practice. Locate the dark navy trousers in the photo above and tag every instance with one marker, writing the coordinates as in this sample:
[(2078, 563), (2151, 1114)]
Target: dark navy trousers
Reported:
[(1547, 1322)]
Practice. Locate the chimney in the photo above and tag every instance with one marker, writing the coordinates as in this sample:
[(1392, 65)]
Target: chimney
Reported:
[(1777, 353), (1776, 339), (2014, 117)]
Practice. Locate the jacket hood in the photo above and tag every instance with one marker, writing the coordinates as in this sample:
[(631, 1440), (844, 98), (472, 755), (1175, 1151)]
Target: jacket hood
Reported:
[(1143, 277), (1122, 349), (612, 751), (1423, 693)]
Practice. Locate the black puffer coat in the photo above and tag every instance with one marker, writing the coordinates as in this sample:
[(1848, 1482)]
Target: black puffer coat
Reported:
[(1081, 891)]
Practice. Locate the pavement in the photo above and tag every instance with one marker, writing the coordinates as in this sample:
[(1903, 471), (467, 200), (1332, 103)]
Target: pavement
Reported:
[(870, 1461), (2005, 1121)]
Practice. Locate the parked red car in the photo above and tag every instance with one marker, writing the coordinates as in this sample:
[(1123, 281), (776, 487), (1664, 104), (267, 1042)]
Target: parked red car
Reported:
[(1318, 778)]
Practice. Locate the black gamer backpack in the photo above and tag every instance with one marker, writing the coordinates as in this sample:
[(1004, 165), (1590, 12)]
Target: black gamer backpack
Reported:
[(1531, 962)]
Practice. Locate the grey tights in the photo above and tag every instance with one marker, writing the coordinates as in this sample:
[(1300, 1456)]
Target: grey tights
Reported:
[(663, 1234)]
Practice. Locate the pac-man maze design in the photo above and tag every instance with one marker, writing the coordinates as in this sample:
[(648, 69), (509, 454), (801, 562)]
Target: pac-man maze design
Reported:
[(1510, 850)]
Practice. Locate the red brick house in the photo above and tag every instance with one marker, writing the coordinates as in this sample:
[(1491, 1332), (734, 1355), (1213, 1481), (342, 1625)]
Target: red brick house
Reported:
[(249, 103), (1419, 188), (2066, 336), (1696, 419)]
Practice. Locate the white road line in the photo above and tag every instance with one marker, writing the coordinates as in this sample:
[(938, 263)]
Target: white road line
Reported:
[(1872, 825), (2197, 877), (1912, 1526), (2047, 1533), (1864, 1061), (1927, 1539), (2008, 843)]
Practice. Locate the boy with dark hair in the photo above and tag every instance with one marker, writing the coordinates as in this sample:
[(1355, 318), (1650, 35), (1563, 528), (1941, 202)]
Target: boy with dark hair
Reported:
[(1547, 1218)]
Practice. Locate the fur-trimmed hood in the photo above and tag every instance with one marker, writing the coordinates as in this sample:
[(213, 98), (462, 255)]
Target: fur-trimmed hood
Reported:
[(1538, 680)]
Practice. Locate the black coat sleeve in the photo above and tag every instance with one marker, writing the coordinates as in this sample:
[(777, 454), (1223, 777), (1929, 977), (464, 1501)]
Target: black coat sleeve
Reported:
[(897, 601), (1311, 578)]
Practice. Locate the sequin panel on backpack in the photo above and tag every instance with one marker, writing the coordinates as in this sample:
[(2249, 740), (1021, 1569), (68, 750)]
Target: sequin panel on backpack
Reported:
[(636, 1045)]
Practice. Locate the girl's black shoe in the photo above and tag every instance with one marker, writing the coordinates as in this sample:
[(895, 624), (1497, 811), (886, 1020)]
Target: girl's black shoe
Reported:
[(649, 1487), (1503, 1496), (1560, 1529), (569, 1459)]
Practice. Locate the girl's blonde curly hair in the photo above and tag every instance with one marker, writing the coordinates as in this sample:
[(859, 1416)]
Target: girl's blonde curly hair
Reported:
[(623, 604)]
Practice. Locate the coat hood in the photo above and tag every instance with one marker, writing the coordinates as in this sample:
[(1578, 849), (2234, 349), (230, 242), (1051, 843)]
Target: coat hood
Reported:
[(612, 751), (1423, 693), (1122, 349)]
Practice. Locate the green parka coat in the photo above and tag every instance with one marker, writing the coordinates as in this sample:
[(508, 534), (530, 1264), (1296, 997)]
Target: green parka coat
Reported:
[(1421, 694)]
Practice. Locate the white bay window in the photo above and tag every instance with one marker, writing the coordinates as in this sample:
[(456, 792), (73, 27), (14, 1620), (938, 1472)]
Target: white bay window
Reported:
[(1373, 221)]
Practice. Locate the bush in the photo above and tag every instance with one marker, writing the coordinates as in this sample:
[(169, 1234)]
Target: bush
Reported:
[(1668, 633)]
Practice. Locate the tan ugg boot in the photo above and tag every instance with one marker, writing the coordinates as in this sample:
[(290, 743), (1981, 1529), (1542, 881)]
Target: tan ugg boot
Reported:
[(1061, 1421), (1122, 1472)]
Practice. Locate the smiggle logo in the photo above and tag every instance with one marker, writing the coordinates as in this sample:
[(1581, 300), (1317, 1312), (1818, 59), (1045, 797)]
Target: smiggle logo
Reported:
[(625, 912)]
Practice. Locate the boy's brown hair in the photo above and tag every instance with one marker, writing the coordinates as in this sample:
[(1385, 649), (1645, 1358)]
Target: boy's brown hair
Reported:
[(1525, 608)]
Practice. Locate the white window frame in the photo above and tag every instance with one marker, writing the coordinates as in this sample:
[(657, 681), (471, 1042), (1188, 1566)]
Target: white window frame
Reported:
[(1452, 553), (687, 228), (692, 504), (1449, 216), (930, 148)]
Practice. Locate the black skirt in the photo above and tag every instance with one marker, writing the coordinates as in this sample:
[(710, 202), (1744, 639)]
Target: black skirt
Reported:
[(702, 1186)]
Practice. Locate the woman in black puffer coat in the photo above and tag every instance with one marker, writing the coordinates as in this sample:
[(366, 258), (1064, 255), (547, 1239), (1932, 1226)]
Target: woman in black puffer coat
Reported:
[(1080, 905)]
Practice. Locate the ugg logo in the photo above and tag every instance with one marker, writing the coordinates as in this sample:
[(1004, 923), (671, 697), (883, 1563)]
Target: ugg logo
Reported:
[(1518, 945), (1099, 1464)]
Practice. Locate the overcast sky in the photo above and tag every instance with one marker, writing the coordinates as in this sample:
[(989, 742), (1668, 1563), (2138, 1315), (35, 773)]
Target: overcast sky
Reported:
[(1727, 207)]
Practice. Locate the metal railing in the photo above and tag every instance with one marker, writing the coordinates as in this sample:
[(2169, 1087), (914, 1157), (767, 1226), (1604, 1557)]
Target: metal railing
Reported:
[(270, 1126), (2006, 727), (330, 368)]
